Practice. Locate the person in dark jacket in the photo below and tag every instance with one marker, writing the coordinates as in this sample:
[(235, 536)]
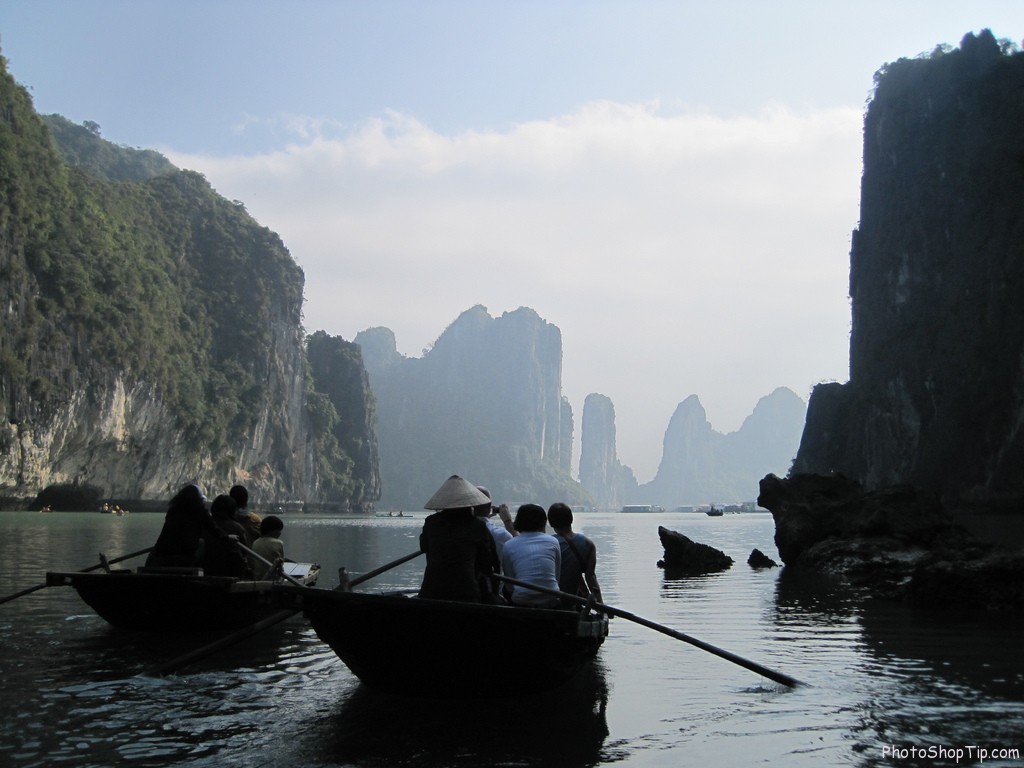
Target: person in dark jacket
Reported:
[(460, 550), (250, 521), (180, 541), (221, 554)]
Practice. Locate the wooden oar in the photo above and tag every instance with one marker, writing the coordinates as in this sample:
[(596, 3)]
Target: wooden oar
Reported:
[(388, 567), (264, 560), (174, 665), (102, 564), (613, 611)]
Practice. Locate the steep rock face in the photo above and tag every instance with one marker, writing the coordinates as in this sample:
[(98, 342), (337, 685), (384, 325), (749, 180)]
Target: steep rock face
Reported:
[(344, 401), (769, 436), (151, 330), (379, 349), (689, 468), (484, 402), (119, 438), (936, 392), (700, 465), (601, 474)]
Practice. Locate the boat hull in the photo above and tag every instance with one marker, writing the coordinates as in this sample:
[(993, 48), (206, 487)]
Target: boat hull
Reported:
[(172, 603), (412, 646)]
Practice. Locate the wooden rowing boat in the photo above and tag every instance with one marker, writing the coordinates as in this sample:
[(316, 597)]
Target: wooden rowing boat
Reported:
[(412, 646), (178, 599)]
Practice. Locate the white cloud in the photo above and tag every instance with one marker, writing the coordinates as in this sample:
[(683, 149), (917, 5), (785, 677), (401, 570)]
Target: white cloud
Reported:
[(680, 253)]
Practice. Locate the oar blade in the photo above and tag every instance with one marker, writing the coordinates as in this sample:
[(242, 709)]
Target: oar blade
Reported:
[(778, 677)]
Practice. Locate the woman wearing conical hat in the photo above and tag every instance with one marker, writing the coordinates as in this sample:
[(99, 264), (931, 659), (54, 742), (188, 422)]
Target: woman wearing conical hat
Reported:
[(459, 547)]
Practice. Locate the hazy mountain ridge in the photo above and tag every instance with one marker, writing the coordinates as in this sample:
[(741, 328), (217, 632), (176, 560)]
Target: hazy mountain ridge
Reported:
[(484, 402), (698, 464)]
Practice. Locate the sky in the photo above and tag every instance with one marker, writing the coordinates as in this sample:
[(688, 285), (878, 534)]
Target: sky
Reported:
[(672, 184)]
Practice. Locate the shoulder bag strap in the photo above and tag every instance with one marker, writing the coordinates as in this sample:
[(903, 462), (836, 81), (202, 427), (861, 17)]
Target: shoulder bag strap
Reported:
[(582, 562)]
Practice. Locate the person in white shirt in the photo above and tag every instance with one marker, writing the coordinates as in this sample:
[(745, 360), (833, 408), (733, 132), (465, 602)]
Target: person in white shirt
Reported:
[(533, 556), (501, 533)]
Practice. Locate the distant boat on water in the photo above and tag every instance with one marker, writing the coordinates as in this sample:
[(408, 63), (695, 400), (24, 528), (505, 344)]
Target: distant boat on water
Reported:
[(642, 508)]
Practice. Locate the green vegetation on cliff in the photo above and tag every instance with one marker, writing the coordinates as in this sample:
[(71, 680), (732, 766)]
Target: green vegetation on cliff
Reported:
[(343, 414), (162, 279), (82, 147), (115, 264)]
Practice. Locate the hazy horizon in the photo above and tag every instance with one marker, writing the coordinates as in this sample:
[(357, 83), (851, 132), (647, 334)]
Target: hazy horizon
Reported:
[(674, 185)]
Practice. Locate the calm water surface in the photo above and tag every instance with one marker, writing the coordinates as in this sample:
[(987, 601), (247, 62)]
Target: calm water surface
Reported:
[(73, 690)]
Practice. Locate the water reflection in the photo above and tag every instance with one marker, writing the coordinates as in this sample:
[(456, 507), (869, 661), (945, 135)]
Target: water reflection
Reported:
[(71, 693), (815, 597), (908, 677), (223, 710), (946, 673), (956, 650), (564, 727)]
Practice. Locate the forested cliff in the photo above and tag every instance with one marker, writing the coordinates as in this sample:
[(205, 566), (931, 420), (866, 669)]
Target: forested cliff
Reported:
[(152, 333), (936, 392)]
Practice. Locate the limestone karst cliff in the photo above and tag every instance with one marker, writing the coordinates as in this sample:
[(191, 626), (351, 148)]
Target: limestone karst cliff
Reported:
[(605, 478), (484, 402), (936, 392), (343, 411), (151, 331), (698, 464), (701, 466)]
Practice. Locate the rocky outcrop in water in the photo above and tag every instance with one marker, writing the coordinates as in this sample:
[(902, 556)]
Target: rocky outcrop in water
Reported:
[(759, 559), (894, 542), (815, 515), (936, 392), (485, 402), (686, 557)]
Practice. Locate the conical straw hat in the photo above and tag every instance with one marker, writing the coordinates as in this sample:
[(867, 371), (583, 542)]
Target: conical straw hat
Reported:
[(456, 493)]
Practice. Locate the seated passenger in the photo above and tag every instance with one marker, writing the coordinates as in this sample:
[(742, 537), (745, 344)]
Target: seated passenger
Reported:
[(250, 521), (180, 541), (484, 511), (579, 555), (533, 556), (460, 550), (221, 554), (269, 545)]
